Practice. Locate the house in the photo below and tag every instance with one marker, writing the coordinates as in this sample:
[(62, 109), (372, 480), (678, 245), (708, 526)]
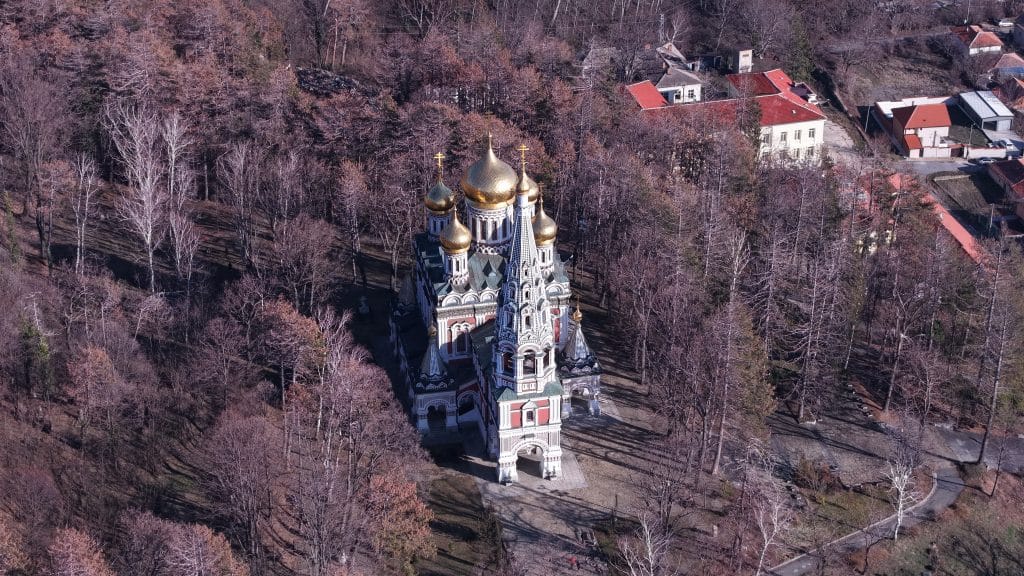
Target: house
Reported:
[(792, 125), (1018, 31), (680, 86), (740, 61), (1009, 175), (1011, 93), (918, 127), (985, 110), (921, 126), (1009, 65), (646, 95), (973, 40)]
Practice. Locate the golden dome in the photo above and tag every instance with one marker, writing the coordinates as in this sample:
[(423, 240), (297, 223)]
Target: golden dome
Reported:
[(544, 228), (489, 181), (577, 315), (440, 199), (455, 238), (528, 186)]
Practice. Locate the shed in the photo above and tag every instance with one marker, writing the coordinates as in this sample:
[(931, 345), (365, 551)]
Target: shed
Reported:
[(985, 110)]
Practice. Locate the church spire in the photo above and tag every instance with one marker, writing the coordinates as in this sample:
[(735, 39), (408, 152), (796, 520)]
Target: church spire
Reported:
[(433, 372), (525, 343), (577, 354)]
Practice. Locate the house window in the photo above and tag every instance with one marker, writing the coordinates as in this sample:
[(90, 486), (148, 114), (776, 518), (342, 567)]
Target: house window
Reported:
[(766, 138), (796, 153), (810, 152), (810, 133), (782, 137), (691, 94), (796, 134)]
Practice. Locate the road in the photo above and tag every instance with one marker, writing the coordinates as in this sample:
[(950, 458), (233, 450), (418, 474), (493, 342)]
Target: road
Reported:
[(947, 488)]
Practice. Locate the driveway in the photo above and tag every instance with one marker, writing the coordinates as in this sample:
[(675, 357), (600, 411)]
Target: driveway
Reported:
[(929, 167)]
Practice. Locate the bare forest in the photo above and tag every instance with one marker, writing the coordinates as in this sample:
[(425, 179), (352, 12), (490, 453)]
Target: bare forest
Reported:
[(195, 196)]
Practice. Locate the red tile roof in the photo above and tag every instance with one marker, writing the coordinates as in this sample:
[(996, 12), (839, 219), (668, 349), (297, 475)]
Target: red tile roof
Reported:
[(975, 37), (777, 110), (1011, 172), (911, 142), (955, 229), (922, 116), (754, 84), (774, 92), (646, 95), (1009, 60)]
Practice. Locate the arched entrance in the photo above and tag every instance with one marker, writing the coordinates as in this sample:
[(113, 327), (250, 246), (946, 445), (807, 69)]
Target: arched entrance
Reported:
[(436, 418), (530, 460), (532, 457)]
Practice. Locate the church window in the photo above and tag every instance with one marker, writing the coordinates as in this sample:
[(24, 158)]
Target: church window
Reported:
[(506, 362), (529, 417), (529, 365)]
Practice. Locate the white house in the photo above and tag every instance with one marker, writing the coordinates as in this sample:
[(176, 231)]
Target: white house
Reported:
[(973, 40), (792, 125), (680, 86)]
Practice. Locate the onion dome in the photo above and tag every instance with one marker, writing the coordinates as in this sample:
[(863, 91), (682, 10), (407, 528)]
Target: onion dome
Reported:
[(577, 315), (528, 186), (440, 199), (455, 238), (490, 182), (544, 228)]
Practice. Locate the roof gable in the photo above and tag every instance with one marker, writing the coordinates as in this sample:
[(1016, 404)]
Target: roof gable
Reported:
[(974, 37), (646, 95), (922, 116)]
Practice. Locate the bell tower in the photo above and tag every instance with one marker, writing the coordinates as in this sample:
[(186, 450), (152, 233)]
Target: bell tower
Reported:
[(527, 390)]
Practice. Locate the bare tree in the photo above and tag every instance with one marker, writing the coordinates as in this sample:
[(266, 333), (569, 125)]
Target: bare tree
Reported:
[(243, 457), (30, 116), (82, 203), (75, 553), (135, 131), (770, 506), (902, 461), (241, 171), (645, 552)]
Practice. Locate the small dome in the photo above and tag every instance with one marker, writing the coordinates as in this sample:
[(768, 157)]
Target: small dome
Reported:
[(577, 315), (440, 199), (528, 186), (490, 182), (455, 238), (544, 228)]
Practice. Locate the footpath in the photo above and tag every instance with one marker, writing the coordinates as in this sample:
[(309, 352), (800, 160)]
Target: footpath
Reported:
[(945, 490)]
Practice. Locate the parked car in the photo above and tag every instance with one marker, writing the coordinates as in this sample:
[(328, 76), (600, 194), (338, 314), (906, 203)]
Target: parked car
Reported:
[(1003, 22)]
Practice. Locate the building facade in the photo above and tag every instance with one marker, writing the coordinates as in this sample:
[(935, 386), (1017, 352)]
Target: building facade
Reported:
[(504, 353)]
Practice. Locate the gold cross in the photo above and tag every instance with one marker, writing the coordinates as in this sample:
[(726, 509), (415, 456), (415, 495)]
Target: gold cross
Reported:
[(440, 164), (522, 154)]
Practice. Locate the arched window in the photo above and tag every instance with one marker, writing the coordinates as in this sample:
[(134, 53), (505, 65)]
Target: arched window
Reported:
[(529, 365), (507, 362), (460, 338)]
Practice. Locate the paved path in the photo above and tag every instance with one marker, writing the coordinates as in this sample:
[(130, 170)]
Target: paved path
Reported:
[(945, 490)]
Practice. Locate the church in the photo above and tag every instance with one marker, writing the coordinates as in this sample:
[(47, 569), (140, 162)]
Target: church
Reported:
[(484, 330)]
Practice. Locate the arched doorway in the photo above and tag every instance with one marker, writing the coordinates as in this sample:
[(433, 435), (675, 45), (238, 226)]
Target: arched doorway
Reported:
[(436, 418), (530, 460)]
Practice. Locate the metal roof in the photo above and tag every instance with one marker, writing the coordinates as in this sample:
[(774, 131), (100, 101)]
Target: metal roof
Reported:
[(985, 105)]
